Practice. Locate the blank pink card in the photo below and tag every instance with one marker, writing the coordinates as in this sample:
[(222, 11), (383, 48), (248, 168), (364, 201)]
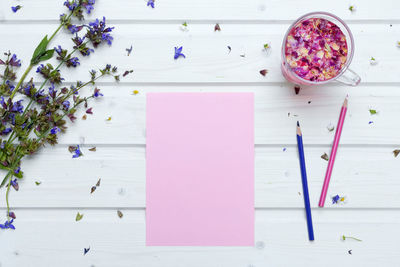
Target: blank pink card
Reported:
[(200, 169)]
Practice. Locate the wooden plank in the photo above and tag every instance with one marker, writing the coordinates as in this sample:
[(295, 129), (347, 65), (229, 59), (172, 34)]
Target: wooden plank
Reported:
[(367, 176), (53, 238), (273, 123), (207, 10), (207, 57)]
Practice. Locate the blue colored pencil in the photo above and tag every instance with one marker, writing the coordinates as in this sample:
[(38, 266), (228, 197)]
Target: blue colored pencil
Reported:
[(304, 182)]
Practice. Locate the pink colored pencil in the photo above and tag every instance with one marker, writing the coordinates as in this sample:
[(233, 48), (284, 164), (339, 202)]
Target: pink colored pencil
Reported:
[(333, 153)]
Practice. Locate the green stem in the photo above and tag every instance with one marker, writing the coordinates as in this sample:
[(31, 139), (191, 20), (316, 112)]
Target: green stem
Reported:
[(7, 192), (21, 80)]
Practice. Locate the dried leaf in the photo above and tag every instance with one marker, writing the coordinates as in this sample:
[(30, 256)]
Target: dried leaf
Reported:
[(78, 217), (92, 189), (120, 214), (396, 152), (92, 149), (98, 182), (325, 157)]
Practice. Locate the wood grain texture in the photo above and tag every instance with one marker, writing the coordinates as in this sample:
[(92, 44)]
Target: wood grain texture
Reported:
[(366, 172), (281, 240), (66, 182), (207, 57)]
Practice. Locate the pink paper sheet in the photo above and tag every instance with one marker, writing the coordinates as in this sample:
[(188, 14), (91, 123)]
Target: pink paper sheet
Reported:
[(200, 169)]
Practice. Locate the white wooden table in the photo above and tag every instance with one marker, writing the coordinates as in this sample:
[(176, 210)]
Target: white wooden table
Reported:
[(366, 171)]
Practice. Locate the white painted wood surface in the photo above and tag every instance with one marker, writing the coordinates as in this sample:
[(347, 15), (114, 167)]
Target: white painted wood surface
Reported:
[(365, 172)]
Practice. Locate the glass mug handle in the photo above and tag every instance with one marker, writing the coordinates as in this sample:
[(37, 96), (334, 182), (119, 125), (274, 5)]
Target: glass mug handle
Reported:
[(349, 77)]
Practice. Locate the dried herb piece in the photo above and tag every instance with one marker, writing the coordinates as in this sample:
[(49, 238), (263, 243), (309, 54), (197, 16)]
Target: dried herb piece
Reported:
[(84, 117), (127, 72), (296, 89), (38, 182), (373, 61), (92, 149), (12, 215), (372, 111), (350, 252), (352, 8), (325, 157), (266, 46), (135, 92), (229, 48), (129, 50), (120, 214), (71, 149), (108, 119), (263, 72), (350, 237), (396, 152), (217, 27), (98, 182), (330, 127), (78, 217), (92, 189), (86, 250)]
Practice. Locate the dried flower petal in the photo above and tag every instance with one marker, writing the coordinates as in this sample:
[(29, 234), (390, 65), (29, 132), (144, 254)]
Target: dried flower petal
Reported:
[(229, 48), (129, 50), (296, 89), (325, 157), (86, 250), (92, 189), (98, 182), (263, 72), (217, 27)]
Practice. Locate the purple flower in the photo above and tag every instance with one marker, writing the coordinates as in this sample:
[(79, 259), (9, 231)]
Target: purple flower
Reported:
[(89, 5), (16, 8), (17, 107), (52, 91), (14, 61), (178, 52), (77, 152), (14, 184), (12, 215), (150, 3), (74, 61), (8, 225), (39, 69), (97, 93), (6, 131), (55, 130), (16, 171), (71, 4), (10, 85), (66, 104), (74, 29), (58, 49), (335, 199), (107, 37)]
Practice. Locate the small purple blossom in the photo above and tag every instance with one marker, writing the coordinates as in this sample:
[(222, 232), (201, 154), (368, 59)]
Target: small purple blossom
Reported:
[(17, 170), (12, 215), (17, 107), (8, 83), (58, 50), (97, 93), (150, 3), (71, 4), (55, 130), (39, 69), (8, 225), (14, 61), (14, 184), (52, 91), (178, 52), (74, 29), (335, 199), (107, 37), (6, 131), (66, 104), (77, 152), (16, 8), (74, 61), (89, 5)]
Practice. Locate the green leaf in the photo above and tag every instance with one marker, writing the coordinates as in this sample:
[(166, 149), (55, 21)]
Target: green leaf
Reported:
[(19, 175), (78, 217), (40, 50), (47, 55)]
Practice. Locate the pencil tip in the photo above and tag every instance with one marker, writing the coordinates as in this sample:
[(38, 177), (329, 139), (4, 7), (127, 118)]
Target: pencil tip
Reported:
[(298, 124)]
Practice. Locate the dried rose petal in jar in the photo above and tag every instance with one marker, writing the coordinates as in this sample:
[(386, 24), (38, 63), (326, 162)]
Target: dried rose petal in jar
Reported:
[(316, 49)]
